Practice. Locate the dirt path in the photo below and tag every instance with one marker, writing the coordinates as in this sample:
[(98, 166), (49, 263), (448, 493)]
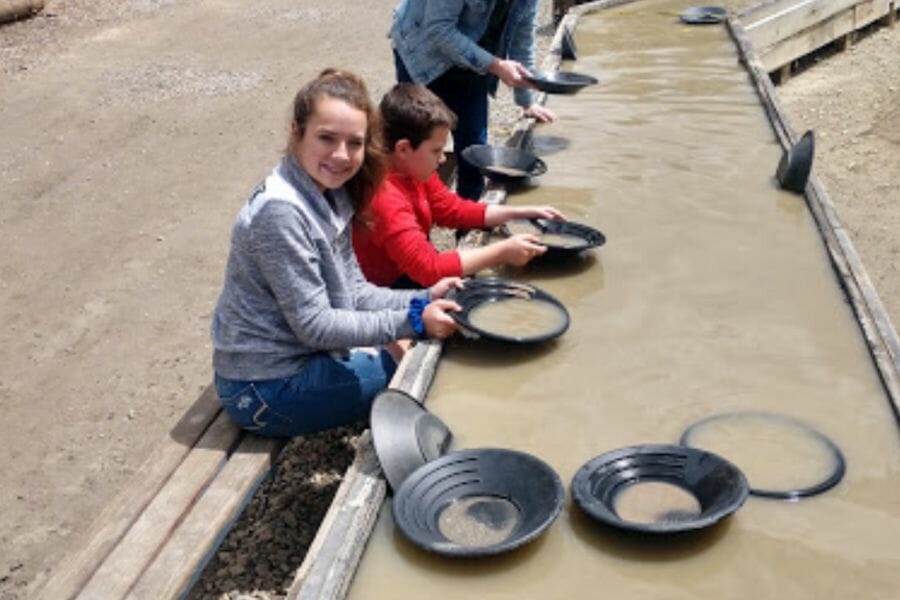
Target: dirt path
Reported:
[(131, 131)]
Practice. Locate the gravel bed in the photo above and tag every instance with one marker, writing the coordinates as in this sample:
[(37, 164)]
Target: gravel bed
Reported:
[(260, 555)]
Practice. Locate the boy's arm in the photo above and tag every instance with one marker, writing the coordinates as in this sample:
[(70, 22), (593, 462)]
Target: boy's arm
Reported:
[(450, 210), (498, 214), (414, 254)]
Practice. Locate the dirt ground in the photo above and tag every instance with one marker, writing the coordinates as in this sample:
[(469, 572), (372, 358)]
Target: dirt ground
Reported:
[(130, 133)]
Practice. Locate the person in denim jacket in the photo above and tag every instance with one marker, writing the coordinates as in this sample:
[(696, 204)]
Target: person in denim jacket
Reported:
[(460, 49), (301, 341)]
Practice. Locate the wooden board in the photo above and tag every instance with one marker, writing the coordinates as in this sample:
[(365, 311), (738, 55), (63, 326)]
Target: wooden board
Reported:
[(113, 522), (189, 547), (790, 17), (786, 30), (168, 507), (833, 28)]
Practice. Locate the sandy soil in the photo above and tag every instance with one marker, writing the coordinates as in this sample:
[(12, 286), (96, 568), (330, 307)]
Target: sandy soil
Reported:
[(131, 131)]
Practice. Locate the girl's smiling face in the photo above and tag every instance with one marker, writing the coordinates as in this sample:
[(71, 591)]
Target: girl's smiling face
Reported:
[(332, 146)]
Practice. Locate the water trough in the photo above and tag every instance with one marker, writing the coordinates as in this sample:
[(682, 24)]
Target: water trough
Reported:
[(335, 555)]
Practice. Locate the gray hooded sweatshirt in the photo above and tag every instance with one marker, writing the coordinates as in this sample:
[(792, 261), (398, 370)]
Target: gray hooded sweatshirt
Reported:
[(293, 286)]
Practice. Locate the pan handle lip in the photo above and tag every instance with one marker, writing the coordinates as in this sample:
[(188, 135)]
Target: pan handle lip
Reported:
[(539, 167)]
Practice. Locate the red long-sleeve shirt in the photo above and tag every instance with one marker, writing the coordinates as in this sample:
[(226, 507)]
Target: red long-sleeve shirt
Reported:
[(397, 244)]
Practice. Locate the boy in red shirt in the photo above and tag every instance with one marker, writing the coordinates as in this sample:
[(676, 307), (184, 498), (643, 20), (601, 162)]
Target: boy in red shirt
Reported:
[(394, 249)]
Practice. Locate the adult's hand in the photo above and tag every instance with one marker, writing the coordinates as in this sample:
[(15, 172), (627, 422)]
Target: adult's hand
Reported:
[(540, 113), (439, 324), (440, 289), (510, 72)]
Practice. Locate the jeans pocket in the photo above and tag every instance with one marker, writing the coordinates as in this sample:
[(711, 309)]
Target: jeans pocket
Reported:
[(247, 406)]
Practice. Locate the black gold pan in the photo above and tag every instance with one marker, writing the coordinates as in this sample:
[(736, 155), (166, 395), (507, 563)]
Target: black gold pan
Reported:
[(703, 15), (504, 163)]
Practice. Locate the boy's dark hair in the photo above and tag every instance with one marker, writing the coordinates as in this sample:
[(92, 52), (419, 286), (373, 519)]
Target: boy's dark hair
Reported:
[(410, 111)]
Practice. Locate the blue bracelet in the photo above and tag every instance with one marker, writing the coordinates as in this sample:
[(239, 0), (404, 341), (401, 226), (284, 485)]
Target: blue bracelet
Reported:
[(416, 307)]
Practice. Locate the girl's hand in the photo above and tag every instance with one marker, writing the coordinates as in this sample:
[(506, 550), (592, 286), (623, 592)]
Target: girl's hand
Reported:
[(439, 324), (440, 289)]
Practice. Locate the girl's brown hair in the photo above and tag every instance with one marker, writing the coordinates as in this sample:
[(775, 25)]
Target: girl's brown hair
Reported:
[(350, 88)]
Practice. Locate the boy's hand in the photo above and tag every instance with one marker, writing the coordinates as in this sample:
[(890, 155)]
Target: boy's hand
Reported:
[(519, 249), (438, 324), (540, 212)]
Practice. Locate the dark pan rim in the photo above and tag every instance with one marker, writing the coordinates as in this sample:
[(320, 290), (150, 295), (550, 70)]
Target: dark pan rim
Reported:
[(567, 78), (837, 473), (703, 15), (582, 484), (540, 517), (480, 291), (482, 156)]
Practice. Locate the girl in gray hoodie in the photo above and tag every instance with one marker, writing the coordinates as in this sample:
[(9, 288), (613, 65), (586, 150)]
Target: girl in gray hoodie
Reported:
[(302, 342)]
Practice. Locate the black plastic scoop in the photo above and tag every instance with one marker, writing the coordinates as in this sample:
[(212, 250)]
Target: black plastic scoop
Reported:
[(405, 435), (504, 163), (560, 82), (796, 164), (698, 488), (478, 502), (536, 315)]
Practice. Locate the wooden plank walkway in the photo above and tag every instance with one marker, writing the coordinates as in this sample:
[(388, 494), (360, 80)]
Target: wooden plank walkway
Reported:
[(154, 538)]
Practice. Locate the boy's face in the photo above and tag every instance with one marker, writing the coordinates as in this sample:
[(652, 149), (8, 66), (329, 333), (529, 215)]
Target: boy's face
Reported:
[(421, 162)]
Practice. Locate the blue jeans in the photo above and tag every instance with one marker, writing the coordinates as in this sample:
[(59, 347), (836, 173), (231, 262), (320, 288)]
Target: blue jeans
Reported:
[(464, 92), (327, 392)]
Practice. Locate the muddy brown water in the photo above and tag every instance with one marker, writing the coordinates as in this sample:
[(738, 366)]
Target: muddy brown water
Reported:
[(712, 294)]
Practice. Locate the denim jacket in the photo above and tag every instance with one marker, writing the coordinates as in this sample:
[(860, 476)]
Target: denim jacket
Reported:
[(431, 36)]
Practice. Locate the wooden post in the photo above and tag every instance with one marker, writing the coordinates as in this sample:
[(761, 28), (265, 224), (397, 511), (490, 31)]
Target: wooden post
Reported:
[(847, 40), (784, 74), (891, 17)]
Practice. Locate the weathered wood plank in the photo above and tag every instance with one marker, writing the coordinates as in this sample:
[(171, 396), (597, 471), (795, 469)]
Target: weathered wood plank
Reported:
[(821, 34), (336, 550), (192, 544), (791, 18), (168, 507), (111, 525)]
